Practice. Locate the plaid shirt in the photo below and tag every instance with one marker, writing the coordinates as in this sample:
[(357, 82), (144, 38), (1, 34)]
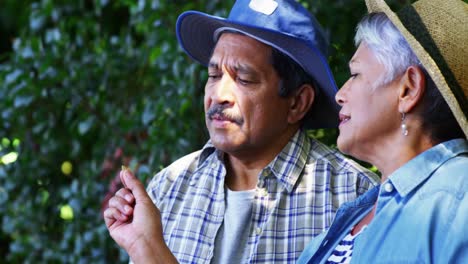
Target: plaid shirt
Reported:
[(296, 198)]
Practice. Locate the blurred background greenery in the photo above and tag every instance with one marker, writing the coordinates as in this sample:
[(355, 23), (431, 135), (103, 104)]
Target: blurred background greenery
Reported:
[(88, 85)]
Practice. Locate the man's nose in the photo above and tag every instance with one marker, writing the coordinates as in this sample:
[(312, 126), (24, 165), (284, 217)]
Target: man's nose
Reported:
[(223, 90)]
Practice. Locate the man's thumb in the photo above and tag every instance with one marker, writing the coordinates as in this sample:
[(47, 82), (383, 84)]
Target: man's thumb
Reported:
[(131, 182)]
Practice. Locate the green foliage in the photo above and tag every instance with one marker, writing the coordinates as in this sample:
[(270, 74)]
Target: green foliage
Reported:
[(89, 85), (93, 84)]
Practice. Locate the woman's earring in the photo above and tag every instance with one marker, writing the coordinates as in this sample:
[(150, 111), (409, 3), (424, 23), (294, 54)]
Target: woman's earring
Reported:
[(404, 129)]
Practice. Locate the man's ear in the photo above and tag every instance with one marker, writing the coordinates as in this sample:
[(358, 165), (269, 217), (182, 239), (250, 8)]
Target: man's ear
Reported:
[(300, 103), (412, 89)]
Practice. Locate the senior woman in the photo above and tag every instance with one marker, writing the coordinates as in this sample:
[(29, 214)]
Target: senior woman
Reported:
[(404, 109)]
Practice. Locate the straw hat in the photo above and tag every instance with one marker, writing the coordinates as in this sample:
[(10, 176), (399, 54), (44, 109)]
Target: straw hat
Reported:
[(437, 31)]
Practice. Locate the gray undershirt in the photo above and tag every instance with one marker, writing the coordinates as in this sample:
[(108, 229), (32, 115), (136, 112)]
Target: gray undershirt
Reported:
[(231, 240)]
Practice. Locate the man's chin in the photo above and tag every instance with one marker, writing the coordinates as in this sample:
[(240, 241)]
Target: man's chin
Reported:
[(226, 143)]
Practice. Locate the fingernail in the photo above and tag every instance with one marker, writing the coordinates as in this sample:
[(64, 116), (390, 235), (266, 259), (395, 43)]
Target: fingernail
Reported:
[(127, 174), (127, 208), (128, 197)]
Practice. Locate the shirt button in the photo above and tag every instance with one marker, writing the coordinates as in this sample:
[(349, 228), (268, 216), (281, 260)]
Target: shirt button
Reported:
[(388, 187), (258, 230), (213, 165), (265, 173)]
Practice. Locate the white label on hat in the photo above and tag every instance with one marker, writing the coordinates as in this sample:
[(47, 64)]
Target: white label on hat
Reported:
[(266, 7)]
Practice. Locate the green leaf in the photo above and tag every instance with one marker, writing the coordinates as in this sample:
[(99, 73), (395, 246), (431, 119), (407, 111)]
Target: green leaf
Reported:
[(22, 101), (85, 126)]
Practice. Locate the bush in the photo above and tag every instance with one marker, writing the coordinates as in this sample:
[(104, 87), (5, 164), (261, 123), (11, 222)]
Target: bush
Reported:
[(90, 85)]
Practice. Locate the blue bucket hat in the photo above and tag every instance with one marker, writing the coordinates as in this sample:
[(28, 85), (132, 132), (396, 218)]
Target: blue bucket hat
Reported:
[(284, 25)]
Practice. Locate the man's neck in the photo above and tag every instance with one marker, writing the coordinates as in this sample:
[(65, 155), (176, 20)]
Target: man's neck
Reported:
[(243, 169), (241, 176)]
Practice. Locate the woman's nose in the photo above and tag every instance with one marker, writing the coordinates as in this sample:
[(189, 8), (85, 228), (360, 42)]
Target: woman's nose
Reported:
[(340, 96)]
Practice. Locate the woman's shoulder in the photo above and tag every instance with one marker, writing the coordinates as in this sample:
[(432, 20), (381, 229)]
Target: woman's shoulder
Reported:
[(454, 169), (451, 177)]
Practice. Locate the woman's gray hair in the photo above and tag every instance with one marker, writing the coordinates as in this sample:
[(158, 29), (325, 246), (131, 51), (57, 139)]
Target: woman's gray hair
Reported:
[(393, 51), (387, 45)]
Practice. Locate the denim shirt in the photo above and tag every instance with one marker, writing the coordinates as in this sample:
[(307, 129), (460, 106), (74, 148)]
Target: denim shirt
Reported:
[(421, 214)]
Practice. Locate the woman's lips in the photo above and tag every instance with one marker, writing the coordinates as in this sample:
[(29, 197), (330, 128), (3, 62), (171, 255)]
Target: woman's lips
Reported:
[(344, 118)]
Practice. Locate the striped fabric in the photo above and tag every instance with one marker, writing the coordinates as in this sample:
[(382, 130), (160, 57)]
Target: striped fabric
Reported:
[(344, 250), (296, 198)]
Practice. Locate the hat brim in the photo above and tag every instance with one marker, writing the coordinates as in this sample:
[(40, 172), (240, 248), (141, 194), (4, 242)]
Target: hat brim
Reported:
[(426, 60), (196, 35)]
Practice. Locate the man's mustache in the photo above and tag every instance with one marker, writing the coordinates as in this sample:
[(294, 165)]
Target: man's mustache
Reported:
[(220, 111)]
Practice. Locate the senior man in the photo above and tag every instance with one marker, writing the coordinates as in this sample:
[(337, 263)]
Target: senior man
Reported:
[(260, 188)]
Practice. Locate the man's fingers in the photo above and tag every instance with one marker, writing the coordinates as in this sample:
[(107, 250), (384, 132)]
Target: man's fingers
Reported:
[(112, 215), (121, 205), (126, 194), (109, 218)]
